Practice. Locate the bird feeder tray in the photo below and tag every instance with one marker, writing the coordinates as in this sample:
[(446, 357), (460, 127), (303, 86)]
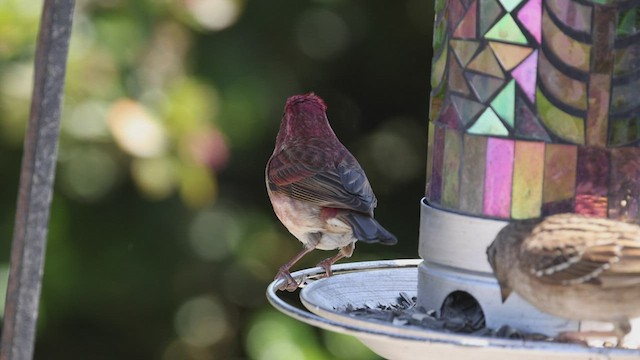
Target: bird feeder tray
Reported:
[(372, 283)]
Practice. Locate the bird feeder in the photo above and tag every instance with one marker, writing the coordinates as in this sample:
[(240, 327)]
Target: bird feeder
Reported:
[(533, 112)]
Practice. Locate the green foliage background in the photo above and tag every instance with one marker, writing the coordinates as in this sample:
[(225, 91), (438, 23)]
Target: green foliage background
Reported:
[(162, 239)]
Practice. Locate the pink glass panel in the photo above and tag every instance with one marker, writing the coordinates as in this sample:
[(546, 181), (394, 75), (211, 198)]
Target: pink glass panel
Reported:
[(498, 178), (530, 15), (525, 75)]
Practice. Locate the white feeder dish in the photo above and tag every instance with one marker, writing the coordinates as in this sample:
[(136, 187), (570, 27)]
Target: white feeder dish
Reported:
[(380, 282)]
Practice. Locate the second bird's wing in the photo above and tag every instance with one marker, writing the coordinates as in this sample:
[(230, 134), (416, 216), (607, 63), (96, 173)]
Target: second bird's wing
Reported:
[(571, 250)]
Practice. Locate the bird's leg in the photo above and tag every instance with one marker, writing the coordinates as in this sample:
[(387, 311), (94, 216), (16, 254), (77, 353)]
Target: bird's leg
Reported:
[(344, 252), (283, 273), (290, 283), (620, 330)]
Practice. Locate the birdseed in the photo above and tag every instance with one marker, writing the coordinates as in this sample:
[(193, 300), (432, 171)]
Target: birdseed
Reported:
[(457, 316)]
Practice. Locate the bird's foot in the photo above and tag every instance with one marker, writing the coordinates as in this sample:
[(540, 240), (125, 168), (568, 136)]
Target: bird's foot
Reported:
[(583, 337), (620, 330), (326, 265), (290, 284), (573, 337)]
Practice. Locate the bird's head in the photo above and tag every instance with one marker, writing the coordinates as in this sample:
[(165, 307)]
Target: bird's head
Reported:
[(495, 258), (304, 103), (304, 117), (504, 253)]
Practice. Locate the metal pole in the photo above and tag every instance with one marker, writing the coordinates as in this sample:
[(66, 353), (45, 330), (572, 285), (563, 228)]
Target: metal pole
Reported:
[(36, 182)]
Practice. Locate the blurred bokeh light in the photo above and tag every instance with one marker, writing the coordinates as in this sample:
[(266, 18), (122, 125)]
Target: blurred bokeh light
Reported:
[(162, 239)]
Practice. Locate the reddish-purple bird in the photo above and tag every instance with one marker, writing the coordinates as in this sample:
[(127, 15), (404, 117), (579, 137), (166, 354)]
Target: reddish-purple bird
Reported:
[(317, 188)]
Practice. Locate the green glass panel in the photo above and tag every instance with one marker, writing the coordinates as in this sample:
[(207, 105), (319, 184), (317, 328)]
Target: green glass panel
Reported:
[(439, 35), (624, 132), (564, 125), (490, 11), (504, 103), (629, 22), (506, 30), (488, 124), (509, 5)]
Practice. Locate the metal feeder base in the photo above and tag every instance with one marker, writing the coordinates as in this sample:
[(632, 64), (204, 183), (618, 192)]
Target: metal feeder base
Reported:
[(453, 247)]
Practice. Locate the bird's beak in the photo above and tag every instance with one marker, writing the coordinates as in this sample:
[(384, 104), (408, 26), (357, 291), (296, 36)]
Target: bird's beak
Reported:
[(505, 291)]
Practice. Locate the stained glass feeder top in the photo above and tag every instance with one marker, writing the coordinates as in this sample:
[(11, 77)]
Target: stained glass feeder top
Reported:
[(535, 108)]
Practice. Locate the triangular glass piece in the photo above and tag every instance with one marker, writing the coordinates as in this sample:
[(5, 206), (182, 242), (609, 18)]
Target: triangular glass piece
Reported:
[(525, 75), (467, 27), (509, 5), (468, 109), (490, 11), (486, 63), (464, 49), (509, 55), (506, 30), (456, 78), (504, 105), (449, 116), (455, 13), (527, 124), (530, 16), (488, 124), (484, 86)]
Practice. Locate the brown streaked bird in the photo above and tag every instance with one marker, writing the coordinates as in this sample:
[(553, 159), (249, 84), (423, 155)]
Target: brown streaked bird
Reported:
[(572, 266), (317, 188)]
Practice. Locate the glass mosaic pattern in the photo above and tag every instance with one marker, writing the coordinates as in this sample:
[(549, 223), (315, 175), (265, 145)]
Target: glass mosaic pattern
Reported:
[(535, 108)]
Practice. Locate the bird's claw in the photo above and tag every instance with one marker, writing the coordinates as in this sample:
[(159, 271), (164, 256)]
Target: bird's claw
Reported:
[(583, 337), (290, 284), (326, 265), (572, 337)]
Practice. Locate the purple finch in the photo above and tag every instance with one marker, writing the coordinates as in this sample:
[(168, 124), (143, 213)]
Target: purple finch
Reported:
[(317, 188), (572, 266)]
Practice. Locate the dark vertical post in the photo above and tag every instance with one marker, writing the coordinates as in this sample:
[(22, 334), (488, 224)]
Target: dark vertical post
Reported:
[(36, 182)]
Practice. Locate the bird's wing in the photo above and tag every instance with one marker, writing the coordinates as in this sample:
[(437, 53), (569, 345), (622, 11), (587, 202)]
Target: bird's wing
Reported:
[(310, 173), (570, 250)]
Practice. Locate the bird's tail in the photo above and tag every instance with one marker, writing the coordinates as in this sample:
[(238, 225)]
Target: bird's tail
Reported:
[(367, 229)]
